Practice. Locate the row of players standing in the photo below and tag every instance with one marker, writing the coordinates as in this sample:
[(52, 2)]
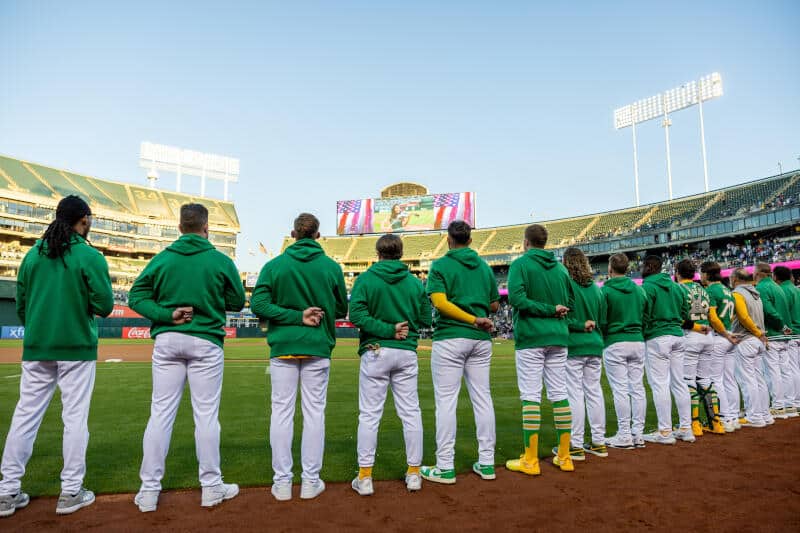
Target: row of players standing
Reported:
[(186, 289)]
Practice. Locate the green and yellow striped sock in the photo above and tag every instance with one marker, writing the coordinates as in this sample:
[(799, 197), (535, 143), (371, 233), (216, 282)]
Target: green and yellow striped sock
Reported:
[(695, 397), (562, 415), (531, 422)]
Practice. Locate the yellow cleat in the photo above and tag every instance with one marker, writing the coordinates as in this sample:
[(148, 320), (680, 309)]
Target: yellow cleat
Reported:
[(697, 428), (525, 466), (564, 463), (716, 428)]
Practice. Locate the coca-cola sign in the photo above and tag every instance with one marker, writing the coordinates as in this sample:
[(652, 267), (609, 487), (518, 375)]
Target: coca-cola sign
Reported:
[(135, 333)]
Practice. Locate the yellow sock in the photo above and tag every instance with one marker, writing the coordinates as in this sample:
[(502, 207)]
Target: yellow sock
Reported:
[(364, 471), (412, 470), (532, 449)]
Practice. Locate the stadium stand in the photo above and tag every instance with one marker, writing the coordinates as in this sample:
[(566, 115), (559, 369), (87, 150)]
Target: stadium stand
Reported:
[(131, 223)]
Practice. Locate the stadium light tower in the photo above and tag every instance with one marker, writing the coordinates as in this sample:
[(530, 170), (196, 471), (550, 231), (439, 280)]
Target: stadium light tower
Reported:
[(660, 106)]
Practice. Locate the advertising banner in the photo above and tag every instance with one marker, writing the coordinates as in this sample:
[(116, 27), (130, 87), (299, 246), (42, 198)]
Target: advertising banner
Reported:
[(144, 333), (123, 311), (402, 214), (13, 332)]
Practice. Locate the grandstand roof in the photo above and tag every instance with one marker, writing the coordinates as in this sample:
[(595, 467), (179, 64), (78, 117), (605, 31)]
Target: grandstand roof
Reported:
[(46, 185)]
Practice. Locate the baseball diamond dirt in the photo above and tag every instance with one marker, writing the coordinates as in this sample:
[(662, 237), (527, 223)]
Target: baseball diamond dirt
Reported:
[(750, 481)]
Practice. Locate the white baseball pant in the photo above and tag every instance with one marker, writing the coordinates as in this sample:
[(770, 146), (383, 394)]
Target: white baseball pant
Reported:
[(548, 363), (723, 368), (583, 387), (788, 374), (312, 374), (771, 371), (624, 362), (664, 366), (380, 370), (794, 360), (749, 354), (178, 357), (36, 387), (697, 348), (450, 360)]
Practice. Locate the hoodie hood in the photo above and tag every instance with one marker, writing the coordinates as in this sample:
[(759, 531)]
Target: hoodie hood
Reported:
[(304, 250), (390, 270), (751, 289), (622, 284), (466, 256), (662, 281), (545, 258), (190, 244)]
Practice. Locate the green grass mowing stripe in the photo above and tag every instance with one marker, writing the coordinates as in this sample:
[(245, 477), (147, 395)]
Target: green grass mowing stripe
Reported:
[(121, 404)]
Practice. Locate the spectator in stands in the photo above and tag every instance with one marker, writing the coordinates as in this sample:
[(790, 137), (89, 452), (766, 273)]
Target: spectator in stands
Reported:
[(62, 278)]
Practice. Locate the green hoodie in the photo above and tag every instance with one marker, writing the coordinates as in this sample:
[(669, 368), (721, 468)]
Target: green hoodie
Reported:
[(667, 307), (189, 272), (301, 277), (587, 306), (792, 294), (384, 295), (470, 284), (536, 284), (776, 308), (57, 302), (625, 306)]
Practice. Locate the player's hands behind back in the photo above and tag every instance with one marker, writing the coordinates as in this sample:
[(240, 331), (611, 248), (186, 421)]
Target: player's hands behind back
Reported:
[(313, 316), (401, 330), (485, 324), (182, 315), (561, 311)]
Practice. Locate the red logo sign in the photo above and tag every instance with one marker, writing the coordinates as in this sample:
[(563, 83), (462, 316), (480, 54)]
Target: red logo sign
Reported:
[(230, 333), (123, 311), (135, 333)]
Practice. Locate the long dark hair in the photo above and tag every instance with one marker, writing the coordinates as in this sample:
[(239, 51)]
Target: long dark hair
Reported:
[(58, 236), (577, 265)]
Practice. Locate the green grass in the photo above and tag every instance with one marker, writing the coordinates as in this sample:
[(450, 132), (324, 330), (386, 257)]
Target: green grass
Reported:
[(121, 404)]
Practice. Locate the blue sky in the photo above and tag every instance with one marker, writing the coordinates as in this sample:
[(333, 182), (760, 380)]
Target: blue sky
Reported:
[(334, 100)]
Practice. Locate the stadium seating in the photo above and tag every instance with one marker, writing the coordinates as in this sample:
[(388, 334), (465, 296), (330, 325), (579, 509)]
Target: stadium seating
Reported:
[(748, 197), (506, 240), (22, 179), (616, 222), (565, 232), (422, 245), (678, 211), (364, 249), (480, 236), (336, 247)]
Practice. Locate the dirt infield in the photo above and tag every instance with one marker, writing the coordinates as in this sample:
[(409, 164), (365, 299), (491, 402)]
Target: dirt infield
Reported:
[(746, 481)]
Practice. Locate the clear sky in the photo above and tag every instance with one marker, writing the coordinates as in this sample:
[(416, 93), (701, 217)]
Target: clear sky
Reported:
[(334, 100)]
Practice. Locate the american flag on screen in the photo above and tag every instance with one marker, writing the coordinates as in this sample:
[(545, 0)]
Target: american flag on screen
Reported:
[(453, 206), (355, 216)]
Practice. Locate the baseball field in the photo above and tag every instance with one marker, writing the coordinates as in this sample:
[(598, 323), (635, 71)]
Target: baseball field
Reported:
[(702, 485)]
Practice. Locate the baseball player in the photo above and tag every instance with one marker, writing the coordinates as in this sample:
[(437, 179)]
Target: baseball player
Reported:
[(698, 348), (584, 359), (623, 356), (723, 355), (185, 291), (666, 311), (748, 326), (61, 277), (463, 290), (791, 371), (300, 294), (540, 291), (777, 319), (389, 306)]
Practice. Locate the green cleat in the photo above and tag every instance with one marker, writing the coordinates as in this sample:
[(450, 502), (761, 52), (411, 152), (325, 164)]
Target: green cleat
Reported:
[(599, 450), (485, 471), (576, 453), (437, 475)]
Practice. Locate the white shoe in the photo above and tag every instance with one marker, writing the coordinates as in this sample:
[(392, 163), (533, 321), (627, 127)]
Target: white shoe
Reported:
[(769, 420), (638, 441), (622, 442), (729, 426), (745, 423), (413, 482), (791, 412), (147, 500), (69, 503), (363, 486), (779, 413), (658, 438), (311, 489), (737, 424), (282, 491), (11, 502), (218, 493), (684, 434)]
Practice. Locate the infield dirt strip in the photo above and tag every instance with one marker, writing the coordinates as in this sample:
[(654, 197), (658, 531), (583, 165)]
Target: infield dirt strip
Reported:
[(742, 482)]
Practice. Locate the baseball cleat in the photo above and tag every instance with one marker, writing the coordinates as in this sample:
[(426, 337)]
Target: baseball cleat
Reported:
[(413, 482), (564, 463), (621, 442), (363, 486), (69, 503), (659, 438), (697, 428), (737, 423), (11, 502), (745, 423), (485, 471), (729, 426), (769, 420), (791, 412), (522, 465), (147, 500), (438, 475), (311, 489), (684, 434), (219, 493), (282, 491), (638, 441), (779, 413), (717, 428), (576, 453), (599, 450)]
